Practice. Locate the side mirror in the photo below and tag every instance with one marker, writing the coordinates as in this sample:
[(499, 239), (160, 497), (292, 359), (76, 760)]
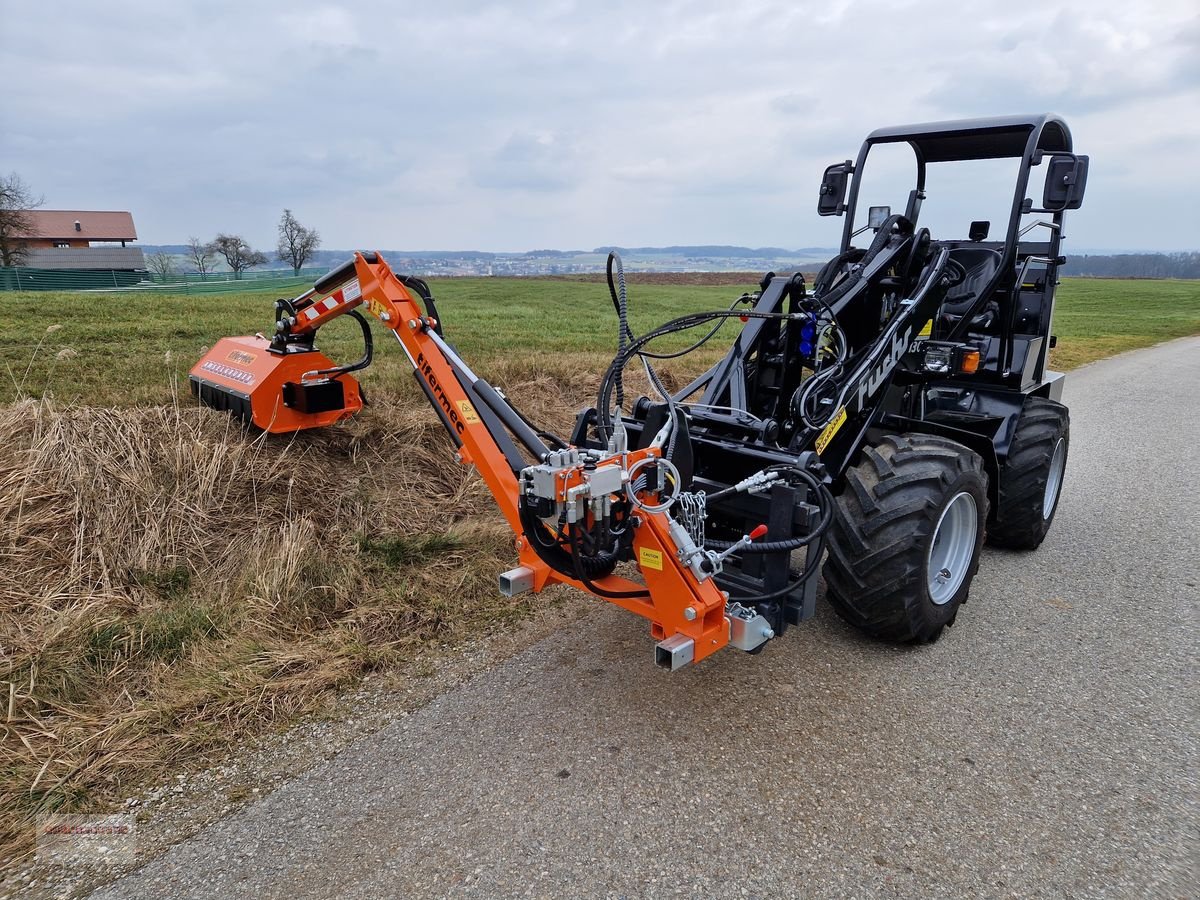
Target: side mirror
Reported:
[(1066, 179), (832, 199)]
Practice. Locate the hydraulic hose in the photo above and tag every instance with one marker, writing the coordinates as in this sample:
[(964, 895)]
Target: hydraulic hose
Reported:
[(810, 569), (621, 304), (825, 504), (368, 350), (692, 320), (572, 564)]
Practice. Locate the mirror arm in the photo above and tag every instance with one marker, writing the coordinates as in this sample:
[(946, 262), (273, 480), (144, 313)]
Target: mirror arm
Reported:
[(1053, 226)]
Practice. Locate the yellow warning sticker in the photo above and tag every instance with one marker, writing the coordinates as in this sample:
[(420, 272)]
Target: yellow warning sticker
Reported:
[(468, 412), (650, 559), (831, 429), (927, 330)]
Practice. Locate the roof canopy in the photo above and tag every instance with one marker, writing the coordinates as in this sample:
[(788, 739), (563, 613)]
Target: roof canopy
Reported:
[(93, 225), (991, 138)]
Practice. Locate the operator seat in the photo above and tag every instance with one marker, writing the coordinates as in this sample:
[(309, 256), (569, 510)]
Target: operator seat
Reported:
[(980, 265)]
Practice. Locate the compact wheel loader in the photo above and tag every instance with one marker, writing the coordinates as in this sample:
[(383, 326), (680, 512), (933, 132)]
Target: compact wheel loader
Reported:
[(893, 413)]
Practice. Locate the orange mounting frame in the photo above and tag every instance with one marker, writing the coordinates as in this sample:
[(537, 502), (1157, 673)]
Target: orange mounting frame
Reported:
[(678, 603)]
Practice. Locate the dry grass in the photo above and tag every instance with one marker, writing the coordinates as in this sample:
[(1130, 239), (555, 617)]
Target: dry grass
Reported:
[(173, 583), (170, 582)]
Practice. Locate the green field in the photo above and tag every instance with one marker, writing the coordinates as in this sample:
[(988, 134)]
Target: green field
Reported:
[(134, 350)]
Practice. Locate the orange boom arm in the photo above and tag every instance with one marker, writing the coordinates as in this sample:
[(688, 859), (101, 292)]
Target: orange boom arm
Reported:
[(555, 500)]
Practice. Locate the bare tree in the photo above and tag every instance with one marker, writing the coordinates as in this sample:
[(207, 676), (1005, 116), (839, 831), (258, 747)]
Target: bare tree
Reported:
[(296, 243), (200, 255), (16, 201), (161, 264), (238, 254)]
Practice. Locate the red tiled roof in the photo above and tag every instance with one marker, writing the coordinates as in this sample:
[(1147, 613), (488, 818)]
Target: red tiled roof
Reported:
[(93, 225)]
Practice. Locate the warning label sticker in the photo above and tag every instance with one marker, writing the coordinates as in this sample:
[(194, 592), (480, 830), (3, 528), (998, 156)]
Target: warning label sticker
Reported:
[(468, 412), (650, 559), (831, 429)]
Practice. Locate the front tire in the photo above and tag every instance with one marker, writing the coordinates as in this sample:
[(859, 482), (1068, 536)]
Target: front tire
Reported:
[(1032, 478), (904, 545)]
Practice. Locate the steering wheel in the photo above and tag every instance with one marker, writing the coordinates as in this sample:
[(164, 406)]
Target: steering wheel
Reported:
[(955, 273)]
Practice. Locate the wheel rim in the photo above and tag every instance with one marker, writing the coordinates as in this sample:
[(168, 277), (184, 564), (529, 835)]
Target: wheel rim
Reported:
[(1058, 464), (952, 547)]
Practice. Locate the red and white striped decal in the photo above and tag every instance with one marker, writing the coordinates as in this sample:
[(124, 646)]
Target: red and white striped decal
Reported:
[(347, 294)]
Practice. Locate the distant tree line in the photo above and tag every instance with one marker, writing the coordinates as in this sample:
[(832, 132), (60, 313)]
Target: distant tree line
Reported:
[(1137, 265), (297, 246)]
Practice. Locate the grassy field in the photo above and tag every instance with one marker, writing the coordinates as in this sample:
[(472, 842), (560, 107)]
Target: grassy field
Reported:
[(122, 350), (172, 584), (127, 350)]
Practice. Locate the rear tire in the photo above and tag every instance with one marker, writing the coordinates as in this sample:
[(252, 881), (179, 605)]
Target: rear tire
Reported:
[(1032, 478), (904, 544)]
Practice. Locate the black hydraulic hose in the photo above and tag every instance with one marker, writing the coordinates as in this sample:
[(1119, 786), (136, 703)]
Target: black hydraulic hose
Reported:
[(573, 564), (368, 350), (810, 570), (682, 323), (621, 303), (577, 560), (882, 238), (422, 288), (620, 300), (825, 504)]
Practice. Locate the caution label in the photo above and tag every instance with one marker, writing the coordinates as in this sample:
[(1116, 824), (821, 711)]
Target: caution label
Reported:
[(650, 559), (831, 429), (927, 330), (468, 412)]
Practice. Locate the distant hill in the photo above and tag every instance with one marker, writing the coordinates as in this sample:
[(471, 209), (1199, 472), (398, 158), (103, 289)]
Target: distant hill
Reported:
[(1136, 265), (692, 258), (678, 258), (719, 250)]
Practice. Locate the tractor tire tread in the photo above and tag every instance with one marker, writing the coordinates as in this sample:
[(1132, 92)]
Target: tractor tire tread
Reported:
[(875, 572), (1017, 522)]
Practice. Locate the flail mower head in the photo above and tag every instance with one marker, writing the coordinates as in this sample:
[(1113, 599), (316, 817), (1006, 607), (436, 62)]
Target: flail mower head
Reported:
[(277, 392), (285, 384)]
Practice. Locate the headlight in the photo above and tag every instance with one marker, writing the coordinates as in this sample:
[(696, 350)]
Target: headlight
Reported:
[(937, 359)]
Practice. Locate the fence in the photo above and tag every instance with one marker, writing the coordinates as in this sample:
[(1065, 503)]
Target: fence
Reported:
[(24, 278)]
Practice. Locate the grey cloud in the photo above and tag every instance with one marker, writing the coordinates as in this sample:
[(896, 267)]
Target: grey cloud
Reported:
[(529, 162), (626, 123)]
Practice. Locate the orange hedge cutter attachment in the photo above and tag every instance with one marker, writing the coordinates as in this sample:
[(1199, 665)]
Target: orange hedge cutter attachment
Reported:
[(579, 510)]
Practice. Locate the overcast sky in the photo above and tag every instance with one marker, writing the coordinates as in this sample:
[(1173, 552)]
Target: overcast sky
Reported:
[(515, 126)]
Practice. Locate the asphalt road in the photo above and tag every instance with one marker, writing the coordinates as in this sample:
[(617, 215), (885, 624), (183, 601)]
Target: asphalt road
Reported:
[(1046, 746)]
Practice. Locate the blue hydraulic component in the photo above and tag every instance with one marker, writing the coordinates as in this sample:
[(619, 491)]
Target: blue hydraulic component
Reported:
[(808, 336)]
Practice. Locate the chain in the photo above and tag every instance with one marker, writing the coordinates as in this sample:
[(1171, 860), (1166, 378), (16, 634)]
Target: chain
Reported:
[(691, 510)]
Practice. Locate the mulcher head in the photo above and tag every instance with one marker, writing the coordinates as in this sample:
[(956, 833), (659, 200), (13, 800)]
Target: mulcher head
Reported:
[(277, 392)]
